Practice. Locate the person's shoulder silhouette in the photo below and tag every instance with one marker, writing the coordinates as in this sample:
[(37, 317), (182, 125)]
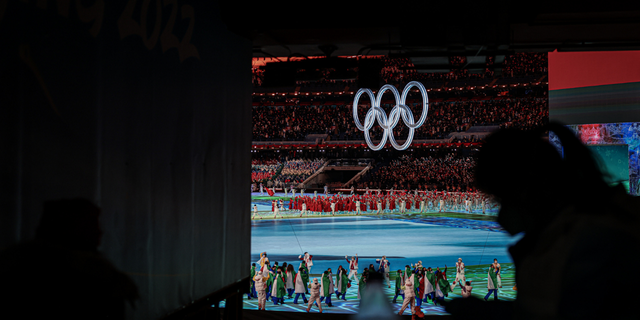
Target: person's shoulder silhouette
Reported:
[(61, 272), (577, 228)]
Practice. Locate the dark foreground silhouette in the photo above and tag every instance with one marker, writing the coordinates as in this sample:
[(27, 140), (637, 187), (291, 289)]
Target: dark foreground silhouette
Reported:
[(61, 274), (581, 235)]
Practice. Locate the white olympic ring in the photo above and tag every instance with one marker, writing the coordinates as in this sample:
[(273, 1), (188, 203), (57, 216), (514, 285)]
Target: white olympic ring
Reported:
[(388, 123)]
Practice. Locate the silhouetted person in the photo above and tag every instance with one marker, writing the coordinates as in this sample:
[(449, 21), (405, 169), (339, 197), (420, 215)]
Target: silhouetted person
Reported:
[(61, 274), (577, 230)]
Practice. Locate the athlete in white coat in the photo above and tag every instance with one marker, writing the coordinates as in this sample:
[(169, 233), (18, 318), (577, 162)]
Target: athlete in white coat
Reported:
[(353, 267), (299, 287), (307, 259), (409, 296), (260, 289)]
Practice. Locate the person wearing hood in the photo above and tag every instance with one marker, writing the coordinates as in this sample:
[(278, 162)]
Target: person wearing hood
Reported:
[(409, 296), (300, 285), (260, 284), (314, 288)]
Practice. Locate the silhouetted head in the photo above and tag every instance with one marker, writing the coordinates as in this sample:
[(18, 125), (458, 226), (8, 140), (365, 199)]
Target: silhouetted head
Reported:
[(71, 223), (530, 179)]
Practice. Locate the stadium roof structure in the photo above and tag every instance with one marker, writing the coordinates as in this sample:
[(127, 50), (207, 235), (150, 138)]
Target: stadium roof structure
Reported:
[(429, 31)]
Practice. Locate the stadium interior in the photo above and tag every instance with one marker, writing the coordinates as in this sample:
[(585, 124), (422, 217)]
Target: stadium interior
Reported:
[(167, 125)]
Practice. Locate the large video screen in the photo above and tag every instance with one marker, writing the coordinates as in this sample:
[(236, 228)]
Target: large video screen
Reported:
[(594, 87)]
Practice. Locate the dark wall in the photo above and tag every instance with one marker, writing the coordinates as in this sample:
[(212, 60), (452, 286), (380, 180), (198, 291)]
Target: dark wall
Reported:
[(147, 112)]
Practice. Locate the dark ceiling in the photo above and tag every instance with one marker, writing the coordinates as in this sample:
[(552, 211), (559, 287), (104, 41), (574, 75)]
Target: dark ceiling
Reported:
[(428, 29)]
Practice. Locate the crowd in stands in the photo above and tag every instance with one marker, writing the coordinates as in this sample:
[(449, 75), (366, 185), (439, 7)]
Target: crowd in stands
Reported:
[(525, 63), (402, 70), (283, 172), (298, 170), (264, 170), (258, 76), (451, 173), (294, 123)]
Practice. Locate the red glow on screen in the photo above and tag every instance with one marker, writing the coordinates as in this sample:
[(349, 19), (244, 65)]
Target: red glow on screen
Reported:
[(585, 69)]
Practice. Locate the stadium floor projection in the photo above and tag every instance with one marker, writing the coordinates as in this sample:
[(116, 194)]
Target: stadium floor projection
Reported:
[(436, 239)]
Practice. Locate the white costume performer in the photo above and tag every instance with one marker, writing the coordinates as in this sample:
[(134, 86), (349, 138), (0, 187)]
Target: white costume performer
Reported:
[(304, 209), (260, 289), (409, 296), (460, 272), (466, 290), (276, 210), (255, 211), (357, 207), (353, 268), (307, 259), (314, 290)]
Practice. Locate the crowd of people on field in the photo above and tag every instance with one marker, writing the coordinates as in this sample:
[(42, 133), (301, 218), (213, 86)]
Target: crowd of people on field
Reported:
[(414, 283)]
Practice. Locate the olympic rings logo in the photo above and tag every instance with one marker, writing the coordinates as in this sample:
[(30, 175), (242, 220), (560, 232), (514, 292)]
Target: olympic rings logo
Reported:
[(388, 123)]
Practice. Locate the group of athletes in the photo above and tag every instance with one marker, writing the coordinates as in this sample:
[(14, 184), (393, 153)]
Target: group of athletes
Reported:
[(377, 202), (415, 283)]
